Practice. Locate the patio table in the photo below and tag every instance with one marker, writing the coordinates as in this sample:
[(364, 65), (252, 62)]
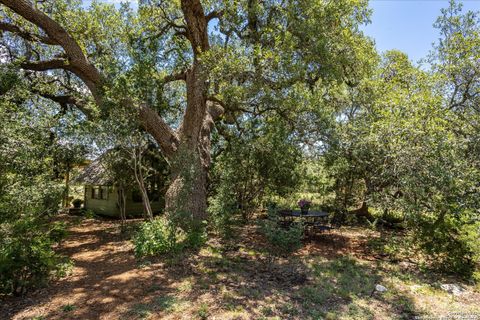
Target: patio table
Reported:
[(312, 219)]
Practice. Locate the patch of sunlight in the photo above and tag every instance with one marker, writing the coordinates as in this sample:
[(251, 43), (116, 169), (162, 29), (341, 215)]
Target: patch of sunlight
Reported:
[(165, 303), (210, 251), (186, 285)]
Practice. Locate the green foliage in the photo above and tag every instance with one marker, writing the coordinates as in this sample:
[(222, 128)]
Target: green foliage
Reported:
[(223, 210), (251, 167), (32, 167), (452, 245), (27, 259), (58, 231), (309, 107), (406, 143), (27, 181), (156, 237), (8, 79), (195, 238), (203, 311), (163, 236), (283, 239), (89, 214), (68, 307)]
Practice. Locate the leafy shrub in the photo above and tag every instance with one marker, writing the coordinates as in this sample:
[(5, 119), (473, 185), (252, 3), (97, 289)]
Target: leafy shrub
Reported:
[(195, 238), (64, 268), (222, 210), (156, 237), (203, 311), (68, 307), (452, 245), (58, 231), (89, 214), (283, 239), (27, 259)]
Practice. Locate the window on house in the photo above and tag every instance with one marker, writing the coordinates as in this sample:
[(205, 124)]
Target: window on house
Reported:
[(104, 193), (95, 192), (153, 190), (100, 193)]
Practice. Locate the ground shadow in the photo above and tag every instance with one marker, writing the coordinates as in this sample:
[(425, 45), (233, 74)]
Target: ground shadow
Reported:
[(234, 278)]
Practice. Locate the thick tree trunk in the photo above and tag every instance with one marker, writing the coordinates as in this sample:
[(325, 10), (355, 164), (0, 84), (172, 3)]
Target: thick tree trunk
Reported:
[(186, 196), (188, 148)]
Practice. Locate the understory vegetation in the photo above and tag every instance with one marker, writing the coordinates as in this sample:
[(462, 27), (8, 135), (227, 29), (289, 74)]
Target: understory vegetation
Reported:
[(163, 236), (283, 239), (27, 258), (290, 102)]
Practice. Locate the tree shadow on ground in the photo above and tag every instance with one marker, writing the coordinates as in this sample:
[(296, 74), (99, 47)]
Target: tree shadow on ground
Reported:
[(237, 278), (106, 277), (248, 281)]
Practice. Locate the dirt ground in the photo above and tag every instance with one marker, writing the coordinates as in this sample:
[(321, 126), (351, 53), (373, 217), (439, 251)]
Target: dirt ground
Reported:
[(236, 280)]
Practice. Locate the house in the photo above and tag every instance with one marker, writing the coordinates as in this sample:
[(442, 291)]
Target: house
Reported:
[(102, 193)]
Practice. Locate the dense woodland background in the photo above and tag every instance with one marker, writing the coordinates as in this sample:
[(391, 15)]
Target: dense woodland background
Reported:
[(254, 105)]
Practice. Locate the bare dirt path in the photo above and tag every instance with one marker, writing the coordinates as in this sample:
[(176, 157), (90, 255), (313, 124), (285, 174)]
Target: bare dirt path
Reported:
[(104, 281), (331, 276), (107, 282)]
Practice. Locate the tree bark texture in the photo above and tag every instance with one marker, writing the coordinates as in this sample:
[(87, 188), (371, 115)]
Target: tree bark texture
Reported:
[(186, 196)]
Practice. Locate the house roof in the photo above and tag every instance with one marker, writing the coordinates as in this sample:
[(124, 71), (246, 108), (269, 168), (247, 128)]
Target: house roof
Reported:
[(95, 174)]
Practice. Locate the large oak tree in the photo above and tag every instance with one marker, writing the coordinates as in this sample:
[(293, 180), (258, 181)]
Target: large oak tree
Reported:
[(184, 67)]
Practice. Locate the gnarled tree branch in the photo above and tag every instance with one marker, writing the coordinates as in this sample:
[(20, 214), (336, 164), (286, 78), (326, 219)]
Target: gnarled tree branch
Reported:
[(175, 77), (65, 101), (46, 65), (159, 129), (76, 62), (26, 35), (214, 14), (80, 65)]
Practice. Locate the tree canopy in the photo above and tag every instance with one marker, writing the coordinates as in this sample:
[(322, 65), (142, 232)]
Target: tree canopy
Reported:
[(180, 67)]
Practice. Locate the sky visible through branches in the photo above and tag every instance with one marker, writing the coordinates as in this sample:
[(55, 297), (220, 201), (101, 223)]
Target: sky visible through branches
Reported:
[(406, 25)]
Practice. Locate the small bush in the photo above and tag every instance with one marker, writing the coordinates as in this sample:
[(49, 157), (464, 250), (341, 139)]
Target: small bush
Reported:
[(195, 238), (58, 231), (222, 210), (68, 307), (203, 311), (89, 214), (283, 239), (156, 237), (453, 245), (64, 268), (27, 259)]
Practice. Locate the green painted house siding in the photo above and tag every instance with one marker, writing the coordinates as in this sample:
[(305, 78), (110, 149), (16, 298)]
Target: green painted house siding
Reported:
[(108, 205)]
